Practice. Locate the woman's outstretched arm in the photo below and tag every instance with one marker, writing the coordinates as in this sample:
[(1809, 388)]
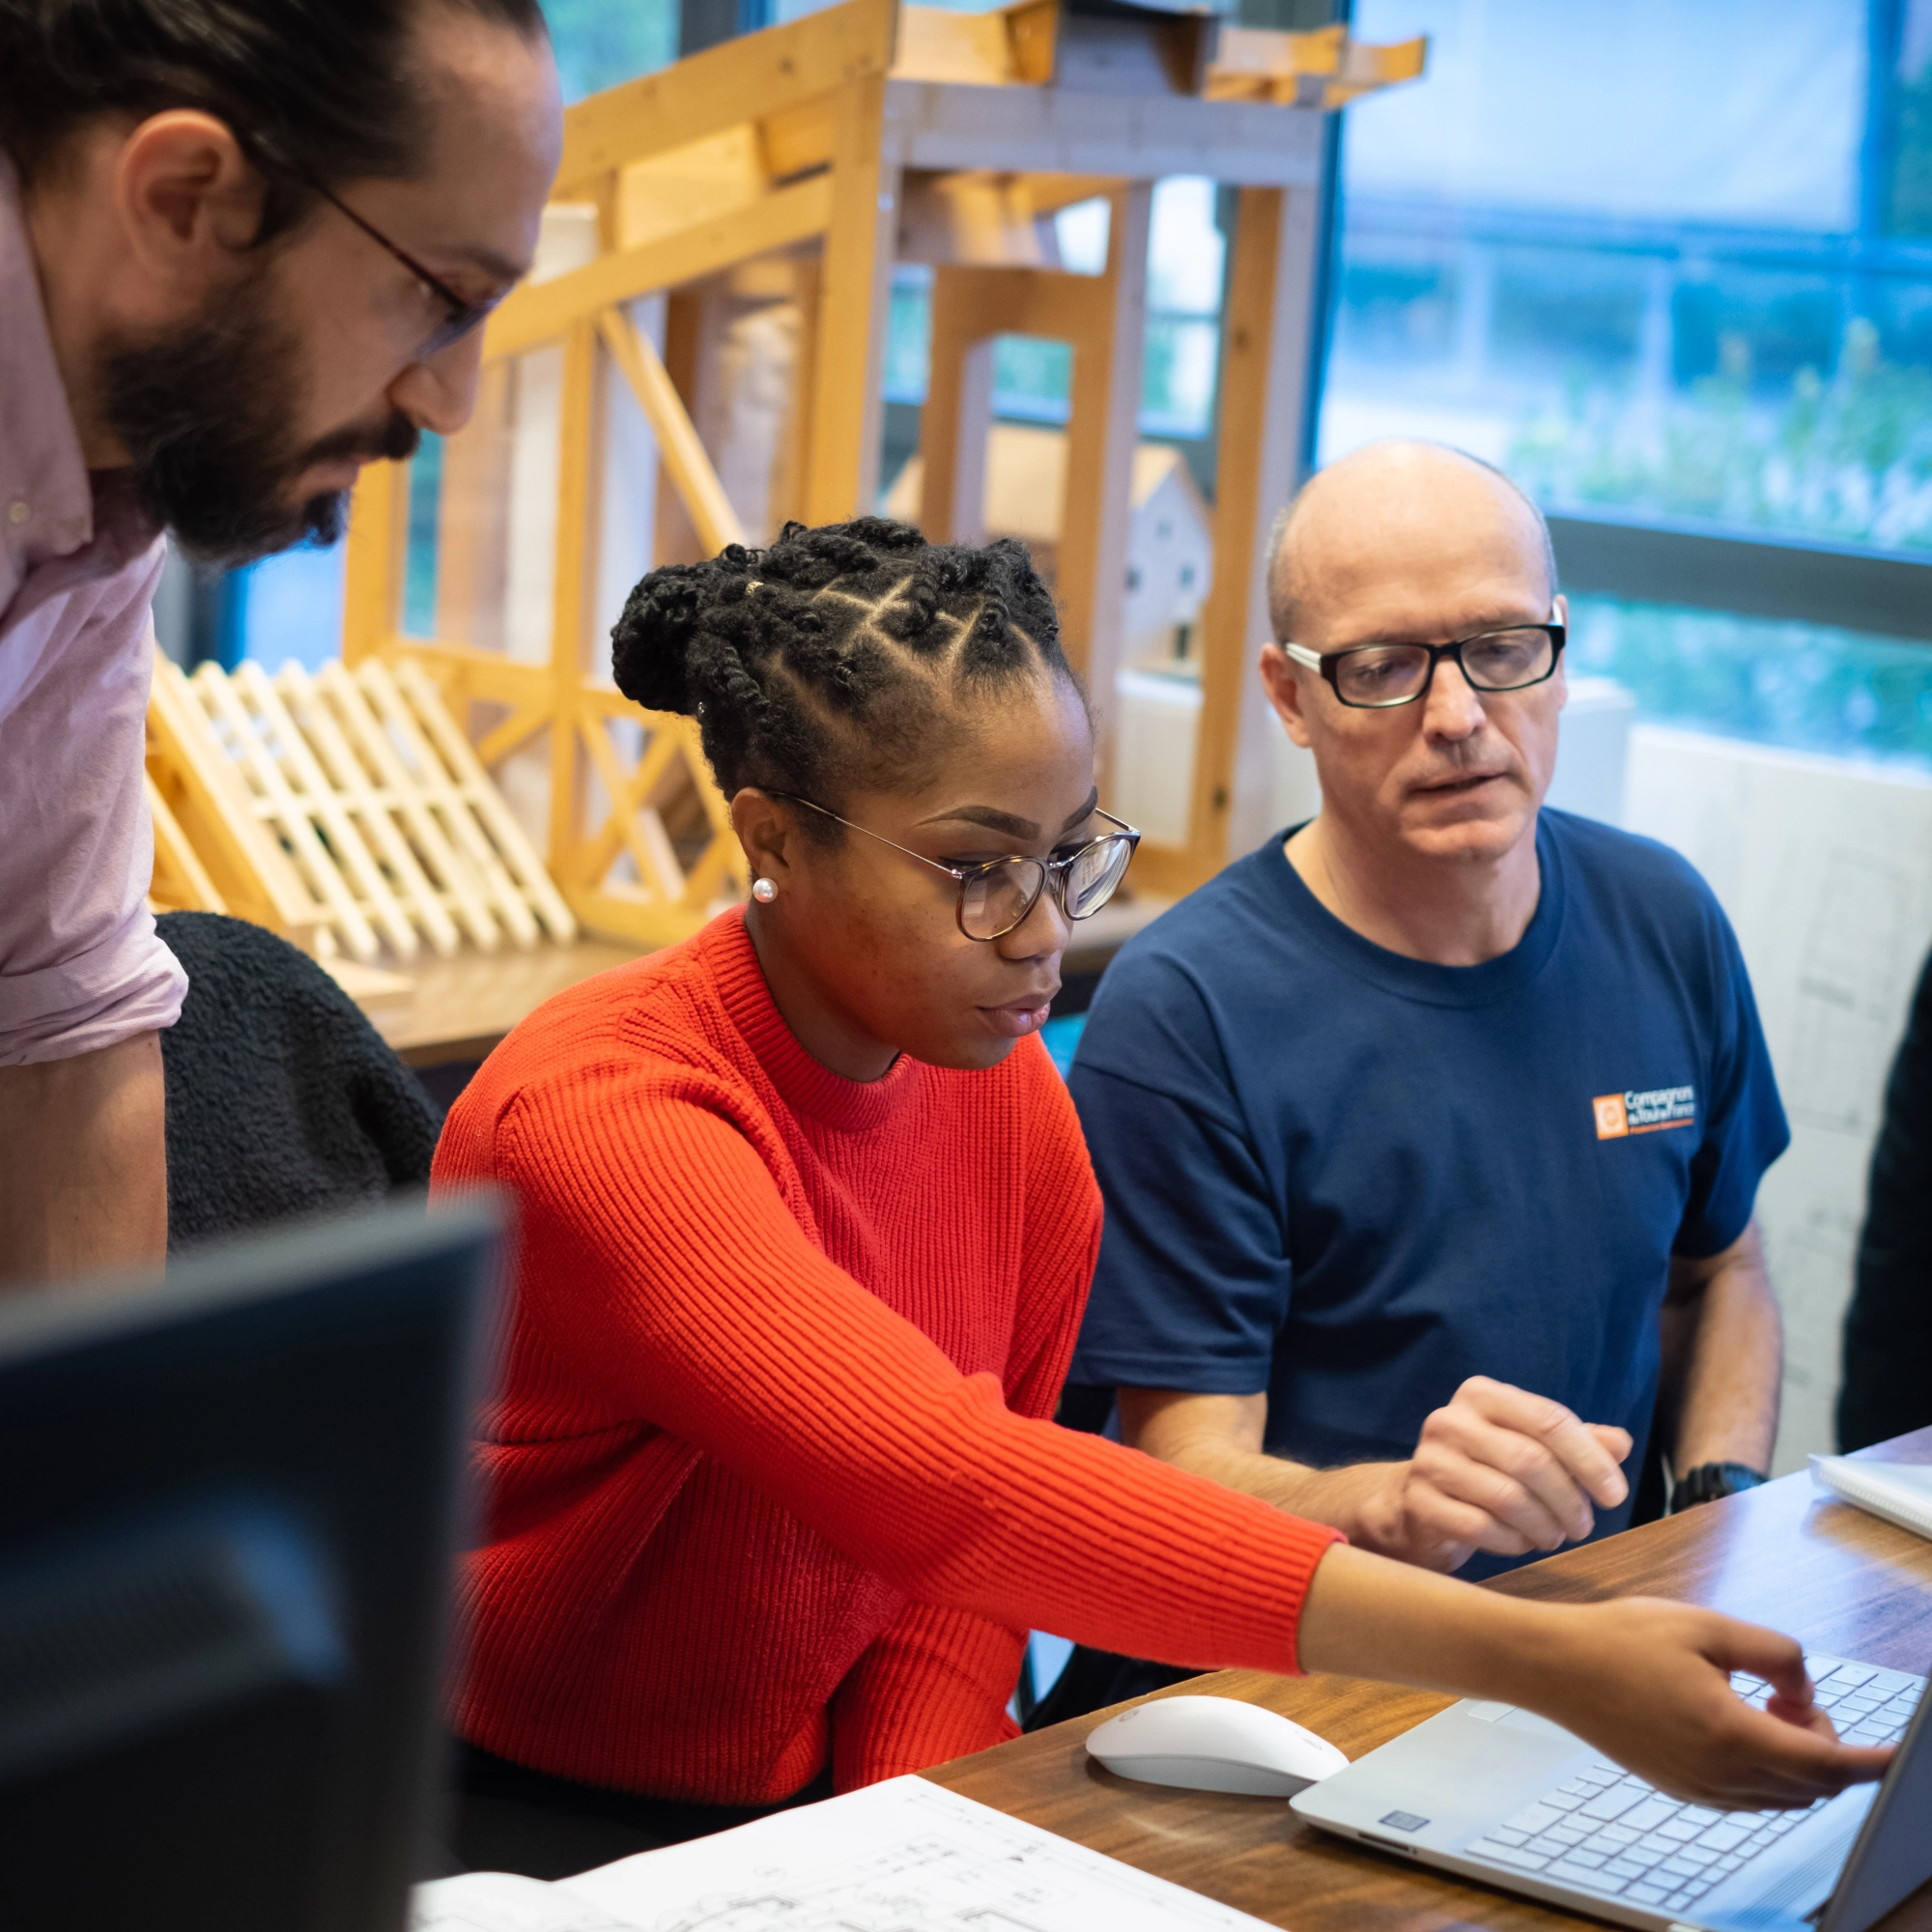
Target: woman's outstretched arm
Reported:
[(693, 1300), (1647, 1682)]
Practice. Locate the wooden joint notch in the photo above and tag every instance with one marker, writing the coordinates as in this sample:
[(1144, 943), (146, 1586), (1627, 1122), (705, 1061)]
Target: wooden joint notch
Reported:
[(745, 80)]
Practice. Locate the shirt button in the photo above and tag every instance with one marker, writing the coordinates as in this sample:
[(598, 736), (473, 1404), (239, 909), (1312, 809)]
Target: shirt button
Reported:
[(19, 510)]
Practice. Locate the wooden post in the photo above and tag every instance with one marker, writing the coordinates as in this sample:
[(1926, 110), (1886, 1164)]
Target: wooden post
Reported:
[(958, 409), (1263, 394), (859, 249), (790, 484), (373, 561), (1100, 438), (576, 518)]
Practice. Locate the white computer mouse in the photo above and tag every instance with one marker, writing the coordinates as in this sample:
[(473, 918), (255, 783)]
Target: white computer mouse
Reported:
[(1214, 1743)]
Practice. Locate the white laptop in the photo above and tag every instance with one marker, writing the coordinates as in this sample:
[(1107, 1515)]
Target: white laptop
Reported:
[(1502, 1794)]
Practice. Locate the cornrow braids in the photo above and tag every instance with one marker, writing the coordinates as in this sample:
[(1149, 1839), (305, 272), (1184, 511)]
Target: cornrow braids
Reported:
[(827, 662)]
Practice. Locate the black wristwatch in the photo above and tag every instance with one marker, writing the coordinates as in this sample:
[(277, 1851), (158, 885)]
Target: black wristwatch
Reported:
[(1708, 1481)]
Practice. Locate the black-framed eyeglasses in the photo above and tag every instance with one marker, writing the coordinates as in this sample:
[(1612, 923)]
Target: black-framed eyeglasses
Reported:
[(997, 894), (463, 315), (1374, 677)]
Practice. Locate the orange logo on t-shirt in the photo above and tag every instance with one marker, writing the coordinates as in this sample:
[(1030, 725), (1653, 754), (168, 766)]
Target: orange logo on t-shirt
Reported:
[(1651, 1111)]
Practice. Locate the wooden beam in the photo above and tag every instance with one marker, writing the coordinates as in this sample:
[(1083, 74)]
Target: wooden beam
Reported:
[(744, 79), (1101, 434), (374, 560), (578, 466), (684, 456), (1140, 138), (518, 728), (543, 310), (953, 426), (792, 472), (476, 676), (957, 412), (1262, 398), (846, 404), (973, 50), (182, 882)]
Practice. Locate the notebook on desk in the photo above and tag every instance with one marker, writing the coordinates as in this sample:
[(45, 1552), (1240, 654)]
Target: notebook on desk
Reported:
[(1900, 1492)]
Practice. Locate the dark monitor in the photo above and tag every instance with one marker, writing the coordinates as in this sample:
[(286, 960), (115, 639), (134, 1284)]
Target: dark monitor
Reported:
[(228, 1506)]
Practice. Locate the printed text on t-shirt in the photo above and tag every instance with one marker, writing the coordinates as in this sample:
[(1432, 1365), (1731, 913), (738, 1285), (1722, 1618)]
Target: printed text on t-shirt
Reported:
[(1645, 1113)]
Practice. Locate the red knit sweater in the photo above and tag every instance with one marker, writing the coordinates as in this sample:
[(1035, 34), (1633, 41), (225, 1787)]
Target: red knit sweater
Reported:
[(770, 1473)]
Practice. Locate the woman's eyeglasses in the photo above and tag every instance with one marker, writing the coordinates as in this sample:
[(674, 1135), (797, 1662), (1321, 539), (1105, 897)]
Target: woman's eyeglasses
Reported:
[(996, 895)]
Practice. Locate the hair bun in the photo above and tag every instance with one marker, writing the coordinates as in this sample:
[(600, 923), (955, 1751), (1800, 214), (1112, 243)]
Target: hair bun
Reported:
[(650, 644)]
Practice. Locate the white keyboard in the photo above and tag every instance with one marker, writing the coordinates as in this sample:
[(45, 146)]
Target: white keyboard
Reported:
[(1609, 1833)]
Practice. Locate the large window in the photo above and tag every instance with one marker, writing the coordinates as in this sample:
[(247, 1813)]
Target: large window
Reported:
[(1669, 263), (1667, 258)]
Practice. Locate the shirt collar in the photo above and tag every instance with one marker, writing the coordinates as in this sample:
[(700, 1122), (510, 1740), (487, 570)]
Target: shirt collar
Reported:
[(47, 499)]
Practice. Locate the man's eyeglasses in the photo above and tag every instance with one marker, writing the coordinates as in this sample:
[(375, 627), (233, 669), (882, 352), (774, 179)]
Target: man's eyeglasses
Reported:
[(1374, 677), (463, 315), (997, 895)]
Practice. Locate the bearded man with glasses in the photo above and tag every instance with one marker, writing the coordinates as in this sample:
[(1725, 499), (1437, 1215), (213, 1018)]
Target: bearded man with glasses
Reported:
[(243, 251), (1430, 1133)]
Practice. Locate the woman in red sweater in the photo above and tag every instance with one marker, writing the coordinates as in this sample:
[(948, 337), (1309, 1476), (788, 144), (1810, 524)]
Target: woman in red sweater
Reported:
[(806, 1225)]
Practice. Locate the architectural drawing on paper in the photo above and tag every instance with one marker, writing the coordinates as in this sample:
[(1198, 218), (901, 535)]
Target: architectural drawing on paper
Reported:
[(901, 1856), (949, 1880)]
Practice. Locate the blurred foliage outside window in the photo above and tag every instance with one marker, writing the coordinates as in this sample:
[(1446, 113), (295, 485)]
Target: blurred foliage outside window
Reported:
[(1838, 693), (1643, 289), (1845, 456), (1673, 265)]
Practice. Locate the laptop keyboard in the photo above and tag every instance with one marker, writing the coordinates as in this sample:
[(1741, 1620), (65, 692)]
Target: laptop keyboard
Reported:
[(1609, 1833)]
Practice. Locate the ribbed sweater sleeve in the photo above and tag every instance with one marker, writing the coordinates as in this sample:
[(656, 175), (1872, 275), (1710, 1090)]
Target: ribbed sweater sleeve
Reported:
[(933, 1688), (876, 1442)]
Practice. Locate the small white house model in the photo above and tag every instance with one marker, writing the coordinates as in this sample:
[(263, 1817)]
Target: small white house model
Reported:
[(1170, 550)]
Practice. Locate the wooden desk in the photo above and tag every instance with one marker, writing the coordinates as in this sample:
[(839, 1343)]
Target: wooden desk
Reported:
[(1839, 1580), (458, 1009)]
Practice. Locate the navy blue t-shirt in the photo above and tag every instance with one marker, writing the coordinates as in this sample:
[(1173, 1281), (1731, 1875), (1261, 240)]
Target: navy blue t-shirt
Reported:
[(1353, 1179)]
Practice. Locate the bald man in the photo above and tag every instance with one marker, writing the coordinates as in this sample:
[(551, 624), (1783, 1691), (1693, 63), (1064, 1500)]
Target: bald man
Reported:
[(1430, 1133)]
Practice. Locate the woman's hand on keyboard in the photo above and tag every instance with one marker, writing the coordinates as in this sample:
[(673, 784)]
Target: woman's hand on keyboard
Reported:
[(1649, 1684)]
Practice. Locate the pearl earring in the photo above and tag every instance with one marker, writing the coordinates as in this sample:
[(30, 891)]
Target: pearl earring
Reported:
[(764, 891)]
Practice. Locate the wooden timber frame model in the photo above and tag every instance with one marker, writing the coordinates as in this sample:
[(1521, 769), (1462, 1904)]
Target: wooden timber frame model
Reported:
[(846, 142)]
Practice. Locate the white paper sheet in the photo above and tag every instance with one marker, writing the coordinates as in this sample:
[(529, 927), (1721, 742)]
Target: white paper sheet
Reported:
[(1899, 1492), (500, 1902), (900, 1857)]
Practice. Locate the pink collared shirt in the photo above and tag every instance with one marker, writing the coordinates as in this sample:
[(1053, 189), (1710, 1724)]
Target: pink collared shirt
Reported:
[(81, 965)]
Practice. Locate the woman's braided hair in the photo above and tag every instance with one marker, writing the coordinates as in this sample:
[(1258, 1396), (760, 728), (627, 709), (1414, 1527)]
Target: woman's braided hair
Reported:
[(827, 661)]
